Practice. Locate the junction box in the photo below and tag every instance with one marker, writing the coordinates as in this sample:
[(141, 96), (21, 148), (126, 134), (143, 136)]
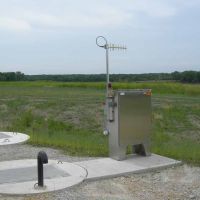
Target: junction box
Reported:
[(129, 122)]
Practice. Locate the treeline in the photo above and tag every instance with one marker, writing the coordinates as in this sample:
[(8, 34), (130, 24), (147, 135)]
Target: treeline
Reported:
[(12, 76), (102, 77), (185, 77)]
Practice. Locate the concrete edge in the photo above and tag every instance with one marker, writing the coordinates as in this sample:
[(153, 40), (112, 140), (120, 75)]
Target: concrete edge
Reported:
[(16, 143), (46, 180), (152, 169), (22, 142), (42, 192)]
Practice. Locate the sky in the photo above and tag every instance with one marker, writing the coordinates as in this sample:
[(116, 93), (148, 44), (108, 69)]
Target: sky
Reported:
[(58, 36)]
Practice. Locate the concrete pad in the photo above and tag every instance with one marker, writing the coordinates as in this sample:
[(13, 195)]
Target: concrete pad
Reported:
[(3, 136), (20, 176), (29, 174), (7, 138), (107, 167)]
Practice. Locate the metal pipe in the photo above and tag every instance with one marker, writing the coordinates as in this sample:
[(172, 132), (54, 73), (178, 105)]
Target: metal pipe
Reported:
[(103, 43), (107, 70), (42, 158)]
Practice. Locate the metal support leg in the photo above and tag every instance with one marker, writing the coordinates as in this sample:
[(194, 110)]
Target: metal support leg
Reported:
[(142, 149)]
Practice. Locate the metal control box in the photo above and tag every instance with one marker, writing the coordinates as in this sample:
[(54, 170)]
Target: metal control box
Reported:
[(129, 122)]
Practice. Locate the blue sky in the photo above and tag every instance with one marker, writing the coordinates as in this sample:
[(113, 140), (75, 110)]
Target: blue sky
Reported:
[(58, 36)]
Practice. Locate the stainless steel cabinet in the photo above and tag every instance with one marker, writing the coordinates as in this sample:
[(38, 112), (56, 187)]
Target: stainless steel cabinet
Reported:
[(129, 122)]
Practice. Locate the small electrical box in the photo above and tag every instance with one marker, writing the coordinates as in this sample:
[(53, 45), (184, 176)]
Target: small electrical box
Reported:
[(129, 122)]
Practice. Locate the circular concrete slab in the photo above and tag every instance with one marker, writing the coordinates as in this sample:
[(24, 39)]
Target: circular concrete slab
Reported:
[(7, 138), (20, 176)]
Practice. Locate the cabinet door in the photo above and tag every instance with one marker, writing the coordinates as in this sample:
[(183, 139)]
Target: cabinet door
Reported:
[(134, 117)]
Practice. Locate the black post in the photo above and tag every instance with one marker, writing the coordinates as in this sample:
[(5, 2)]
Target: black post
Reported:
[(42, 158)]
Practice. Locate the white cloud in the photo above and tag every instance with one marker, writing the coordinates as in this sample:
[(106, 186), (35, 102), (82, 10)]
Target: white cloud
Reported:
[(14, 24), (75, 19), (153, 41), (23, 15), (155, 8), (60, 14)]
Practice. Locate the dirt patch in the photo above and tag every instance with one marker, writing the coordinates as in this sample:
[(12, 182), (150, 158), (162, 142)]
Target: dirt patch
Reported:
[(194, 120), (3, 108)]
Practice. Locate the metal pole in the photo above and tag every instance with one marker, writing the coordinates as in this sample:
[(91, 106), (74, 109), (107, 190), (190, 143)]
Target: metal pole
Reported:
[(106, 47), (107, 82), (107, 69), (103, 43)]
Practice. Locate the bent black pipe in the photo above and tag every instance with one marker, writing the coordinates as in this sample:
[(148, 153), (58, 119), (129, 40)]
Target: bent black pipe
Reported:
[(42, 158)]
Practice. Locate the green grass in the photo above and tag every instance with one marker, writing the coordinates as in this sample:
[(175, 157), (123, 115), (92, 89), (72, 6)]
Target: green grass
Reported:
[(64, 135), (157, 87), (69, 116), (177, 128)]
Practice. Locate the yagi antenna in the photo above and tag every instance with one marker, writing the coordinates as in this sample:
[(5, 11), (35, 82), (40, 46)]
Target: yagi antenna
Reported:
[(102, 42), (113, 47)]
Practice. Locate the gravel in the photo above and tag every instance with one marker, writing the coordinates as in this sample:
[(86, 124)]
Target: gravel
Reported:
[(180, 182), (18, 152)]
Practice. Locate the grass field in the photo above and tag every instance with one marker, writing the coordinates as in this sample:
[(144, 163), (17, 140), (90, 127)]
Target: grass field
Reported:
[(70, 116)]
